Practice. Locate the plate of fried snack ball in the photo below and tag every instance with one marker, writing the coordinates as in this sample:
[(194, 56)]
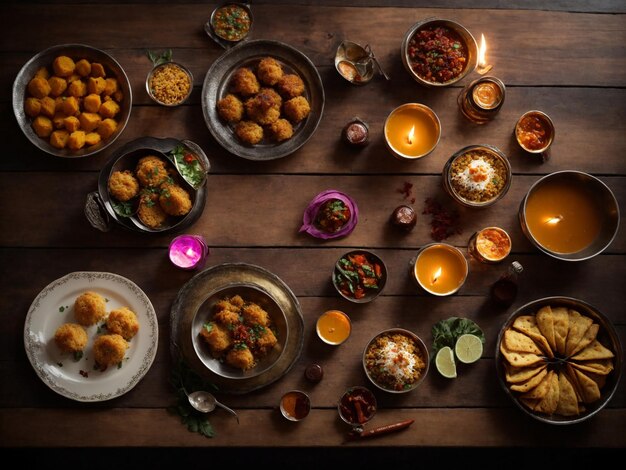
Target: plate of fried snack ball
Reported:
[(151, 185), (72, 100), (91, 336), (559, 359), (262, 100)]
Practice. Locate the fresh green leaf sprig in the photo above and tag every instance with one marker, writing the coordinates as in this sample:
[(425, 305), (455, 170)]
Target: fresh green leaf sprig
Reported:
[(446, 332), (160, 58), (183, 378)]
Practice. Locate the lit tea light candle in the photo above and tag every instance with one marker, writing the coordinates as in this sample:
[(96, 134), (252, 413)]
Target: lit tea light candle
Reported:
[(578, 218), (440, 269), (333, 327), (188, 251), (482, 66), (412, 131)]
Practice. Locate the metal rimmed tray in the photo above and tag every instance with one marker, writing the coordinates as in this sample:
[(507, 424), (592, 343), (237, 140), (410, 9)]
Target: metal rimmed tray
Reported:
[(198, 289), (248, 54)]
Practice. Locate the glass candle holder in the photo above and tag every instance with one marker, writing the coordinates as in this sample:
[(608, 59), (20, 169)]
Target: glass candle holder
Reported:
[(412, 131), (188, 252), (440, 269), (482, 99)]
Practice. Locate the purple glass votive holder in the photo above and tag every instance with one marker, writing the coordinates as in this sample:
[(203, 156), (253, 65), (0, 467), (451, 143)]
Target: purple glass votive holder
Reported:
[(188, 252)]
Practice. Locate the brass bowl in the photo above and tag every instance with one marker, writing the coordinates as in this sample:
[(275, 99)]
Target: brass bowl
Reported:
[(150, 91), (547, 124), (489, 150), (607, 335), (466, 37), (370, 294)]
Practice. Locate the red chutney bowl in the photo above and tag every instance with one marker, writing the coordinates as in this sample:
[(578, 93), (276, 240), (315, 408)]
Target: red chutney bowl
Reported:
[(455, 32), (357, 405)]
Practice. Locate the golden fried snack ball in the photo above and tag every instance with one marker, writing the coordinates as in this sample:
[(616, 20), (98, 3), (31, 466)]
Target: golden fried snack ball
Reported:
[(297, 109), (89, 121), (42, 126), (63, 66), (92, 103), (76, 141), (272, 96), (57, 85), (150, 211), (106, 127), (249, 132), (227, 317), (32, 107), (123, 322), (109, 350), (217, 338), (230, 108), (48, 106), (83, 67), (38, 87), (59, 139), (151, 171), (269, 71), (241, 358), (123, 185), (245, 82), (290, 85), (253, 315), (261, 109), (89, 308), (70, 337), (281, 130), (174, 200)]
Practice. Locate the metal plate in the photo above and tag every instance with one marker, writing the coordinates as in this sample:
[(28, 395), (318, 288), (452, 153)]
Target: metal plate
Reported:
[(193, 295), (76, 52), (248, 54), (132, 151)]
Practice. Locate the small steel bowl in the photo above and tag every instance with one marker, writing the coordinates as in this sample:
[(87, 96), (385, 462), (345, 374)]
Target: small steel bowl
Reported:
[(607, 335), (604, 200), (302, 405), (348, 414), (150, 91), (423, 352), (546, 123), (222, 40), (466, 37), (371, 294), (250, 293), (75, 51), (489, 151)]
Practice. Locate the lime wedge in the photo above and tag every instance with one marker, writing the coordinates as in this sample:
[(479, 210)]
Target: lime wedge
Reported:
[(444, 361), (468, 348)]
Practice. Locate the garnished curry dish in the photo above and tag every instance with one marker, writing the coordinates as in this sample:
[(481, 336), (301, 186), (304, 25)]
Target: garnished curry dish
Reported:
[(437, 54)]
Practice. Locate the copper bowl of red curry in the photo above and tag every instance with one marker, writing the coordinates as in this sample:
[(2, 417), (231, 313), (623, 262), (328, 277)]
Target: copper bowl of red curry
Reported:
[(438, 52)]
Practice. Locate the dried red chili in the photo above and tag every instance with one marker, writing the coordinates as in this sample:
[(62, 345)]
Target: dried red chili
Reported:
[(443, 223), (407, 191)]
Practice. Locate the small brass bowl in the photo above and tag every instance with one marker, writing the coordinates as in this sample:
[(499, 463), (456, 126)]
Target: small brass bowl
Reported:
[(477, 200), (461, 31), (547, 126), (151, 91)]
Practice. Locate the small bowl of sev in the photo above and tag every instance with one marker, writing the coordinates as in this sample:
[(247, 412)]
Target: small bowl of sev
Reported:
[(169, 84), (396, 360)]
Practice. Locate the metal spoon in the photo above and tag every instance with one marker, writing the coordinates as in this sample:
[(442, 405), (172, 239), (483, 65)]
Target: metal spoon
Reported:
[(373, 57), (205, 402)]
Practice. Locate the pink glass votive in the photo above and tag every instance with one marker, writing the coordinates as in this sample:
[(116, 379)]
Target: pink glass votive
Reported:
[(188, 251)]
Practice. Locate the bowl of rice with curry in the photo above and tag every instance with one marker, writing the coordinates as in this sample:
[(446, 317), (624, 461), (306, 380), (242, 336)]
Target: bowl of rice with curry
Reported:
[(477, 175), (396, 360)]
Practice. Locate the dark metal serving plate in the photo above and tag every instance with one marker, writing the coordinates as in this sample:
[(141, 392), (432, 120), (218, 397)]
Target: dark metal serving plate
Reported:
[(248, 54), (193, 296), (99, 204)]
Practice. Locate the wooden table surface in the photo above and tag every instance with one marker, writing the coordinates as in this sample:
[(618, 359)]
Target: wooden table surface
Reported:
[(567, 59)]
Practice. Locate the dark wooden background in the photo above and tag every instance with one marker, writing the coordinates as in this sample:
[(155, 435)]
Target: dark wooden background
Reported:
[(567, 58)]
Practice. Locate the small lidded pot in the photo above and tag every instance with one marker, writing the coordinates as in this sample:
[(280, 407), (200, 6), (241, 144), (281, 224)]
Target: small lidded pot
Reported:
[(534, 131), (356, 133)]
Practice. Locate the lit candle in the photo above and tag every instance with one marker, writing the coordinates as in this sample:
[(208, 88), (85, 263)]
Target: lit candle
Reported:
[(563, 216), (412, 130), (482, 66), (440, 269), (188, 251), (333, 327)]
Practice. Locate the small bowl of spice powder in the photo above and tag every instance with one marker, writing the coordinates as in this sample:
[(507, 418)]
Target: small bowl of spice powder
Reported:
[(169, 84)]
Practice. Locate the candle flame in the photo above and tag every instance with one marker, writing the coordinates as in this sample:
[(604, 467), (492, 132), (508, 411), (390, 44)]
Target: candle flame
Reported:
[(437, 275), (554, 220), (190, 252), (483, 67), (411, 135)]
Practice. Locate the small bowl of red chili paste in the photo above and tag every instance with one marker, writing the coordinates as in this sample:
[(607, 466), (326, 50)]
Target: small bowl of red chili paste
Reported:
[(438, 52), (331, 214), (231, 22)]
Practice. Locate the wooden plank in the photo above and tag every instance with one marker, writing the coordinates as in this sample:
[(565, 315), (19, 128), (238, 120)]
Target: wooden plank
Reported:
[(519, 49), (445, 427), (235, 216), (578, 113)]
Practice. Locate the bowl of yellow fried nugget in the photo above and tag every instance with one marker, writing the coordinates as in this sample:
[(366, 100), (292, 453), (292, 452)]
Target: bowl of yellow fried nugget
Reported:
[(559, 359)]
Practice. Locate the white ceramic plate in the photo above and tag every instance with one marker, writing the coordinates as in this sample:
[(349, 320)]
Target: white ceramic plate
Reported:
[(79, 380)]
